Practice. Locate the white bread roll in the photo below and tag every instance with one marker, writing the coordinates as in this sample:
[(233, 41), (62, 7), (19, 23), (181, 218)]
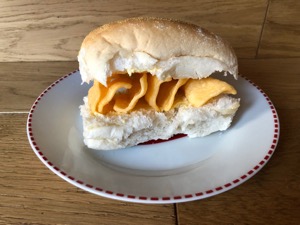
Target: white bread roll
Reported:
[(165, 48), (115, 131), (162, 47)]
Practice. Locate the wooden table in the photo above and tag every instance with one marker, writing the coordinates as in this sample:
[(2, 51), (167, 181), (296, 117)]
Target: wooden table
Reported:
[(39, 42), (31, 194)]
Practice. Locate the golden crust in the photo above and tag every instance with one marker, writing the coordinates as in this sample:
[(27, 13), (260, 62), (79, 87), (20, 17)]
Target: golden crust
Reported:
[(159, 38), (145, 22), (157, 25)]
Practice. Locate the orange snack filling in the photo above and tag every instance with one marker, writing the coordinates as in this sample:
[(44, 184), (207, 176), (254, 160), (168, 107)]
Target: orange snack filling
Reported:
[(124, 92)]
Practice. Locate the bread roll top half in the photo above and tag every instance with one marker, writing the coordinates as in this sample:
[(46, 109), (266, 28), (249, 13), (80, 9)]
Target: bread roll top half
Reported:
[(163, 47)]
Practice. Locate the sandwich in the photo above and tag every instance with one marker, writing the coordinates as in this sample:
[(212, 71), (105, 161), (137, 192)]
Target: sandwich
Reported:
[(152, 80)]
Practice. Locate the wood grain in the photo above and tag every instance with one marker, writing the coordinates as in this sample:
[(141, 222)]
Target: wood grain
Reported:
[(272, 196), (31, 194), (279, 78), (53, 30), (22, 83), (281, 34)]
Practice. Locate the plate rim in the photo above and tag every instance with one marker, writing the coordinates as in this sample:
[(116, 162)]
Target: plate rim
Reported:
[(152, 199)]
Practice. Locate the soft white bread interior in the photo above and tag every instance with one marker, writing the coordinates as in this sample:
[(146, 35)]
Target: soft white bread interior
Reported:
[(163, 47), (114, 131)]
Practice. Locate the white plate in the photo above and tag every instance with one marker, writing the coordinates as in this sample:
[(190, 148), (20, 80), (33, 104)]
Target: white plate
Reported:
[(174, 171)]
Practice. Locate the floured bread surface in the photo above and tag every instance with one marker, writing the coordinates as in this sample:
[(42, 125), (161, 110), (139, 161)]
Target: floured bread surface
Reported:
[(114, 130), (163, 47)]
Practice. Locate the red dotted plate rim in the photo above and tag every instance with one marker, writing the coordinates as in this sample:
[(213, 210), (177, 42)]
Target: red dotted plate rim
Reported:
[(154, 199)]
